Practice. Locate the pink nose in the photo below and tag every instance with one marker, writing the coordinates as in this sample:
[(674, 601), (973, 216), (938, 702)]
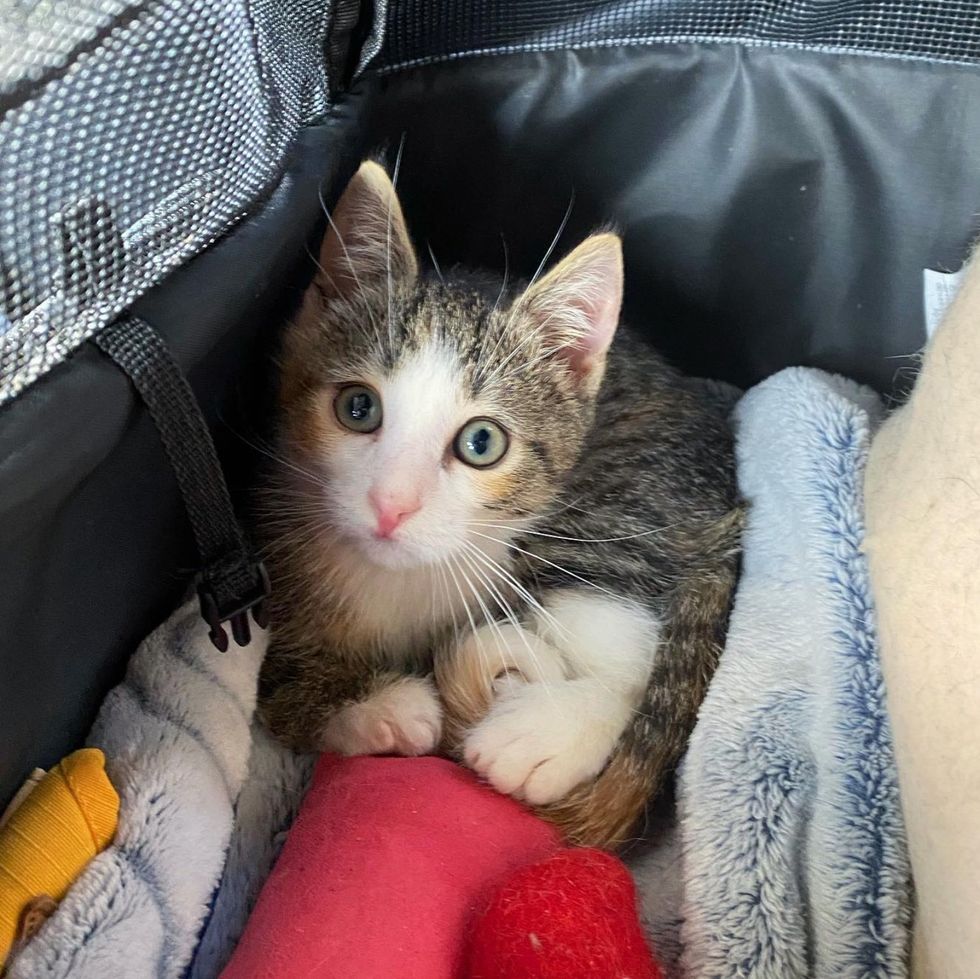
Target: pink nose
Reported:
[(392, 511)]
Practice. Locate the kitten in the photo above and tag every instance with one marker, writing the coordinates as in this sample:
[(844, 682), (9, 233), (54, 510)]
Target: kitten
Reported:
[(482, 497)]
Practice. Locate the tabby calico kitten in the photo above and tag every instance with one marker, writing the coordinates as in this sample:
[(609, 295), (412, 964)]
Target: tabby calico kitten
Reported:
[(494, 532)]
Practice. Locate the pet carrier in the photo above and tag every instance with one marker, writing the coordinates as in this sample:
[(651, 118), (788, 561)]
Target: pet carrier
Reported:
[(794, 181)]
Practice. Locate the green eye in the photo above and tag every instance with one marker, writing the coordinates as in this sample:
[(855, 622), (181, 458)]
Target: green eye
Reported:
[(481, 443), (358, 408)]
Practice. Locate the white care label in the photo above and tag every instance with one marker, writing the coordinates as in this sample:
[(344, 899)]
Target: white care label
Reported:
[(938, 291)]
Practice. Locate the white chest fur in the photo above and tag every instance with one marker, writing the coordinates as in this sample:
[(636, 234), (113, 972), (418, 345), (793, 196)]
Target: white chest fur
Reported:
[(397, 611)]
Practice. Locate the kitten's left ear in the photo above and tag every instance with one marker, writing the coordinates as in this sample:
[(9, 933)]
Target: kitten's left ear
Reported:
[(578, 302)]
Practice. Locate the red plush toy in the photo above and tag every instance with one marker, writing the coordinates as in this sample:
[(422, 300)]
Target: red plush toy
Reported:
[(571, 915), (409, 868)]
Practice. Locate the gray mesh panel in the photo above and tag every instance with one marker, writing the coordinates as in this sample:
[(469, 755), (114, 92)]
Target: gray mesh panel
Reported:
[(131, 137), (423, 31)]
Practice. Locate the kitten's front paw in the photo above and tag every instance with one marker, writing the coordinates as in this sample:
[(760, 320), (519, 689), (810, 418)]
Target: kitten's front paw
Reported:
[(541, 740), (403, 718)]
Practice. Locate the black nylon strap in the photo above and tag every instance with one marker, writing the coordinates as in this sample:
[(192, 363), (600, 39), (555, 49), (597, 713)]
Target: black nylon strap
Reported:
[(231, 581)]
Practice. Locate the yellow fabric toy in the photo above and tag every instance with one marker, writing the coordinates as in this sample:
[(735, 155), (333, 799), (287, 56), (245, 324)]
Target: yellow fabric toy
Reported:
[(65, 820)]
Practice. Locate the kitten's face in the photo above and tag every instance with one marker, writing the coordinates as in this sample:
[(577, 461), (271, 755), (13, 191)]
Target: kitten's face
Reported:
[(422, 453), (434, 417)]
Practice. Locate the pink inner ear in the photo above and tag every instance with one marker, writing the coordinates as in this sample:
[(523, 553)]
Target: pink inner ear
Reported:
[(578, 302), (602, 315)]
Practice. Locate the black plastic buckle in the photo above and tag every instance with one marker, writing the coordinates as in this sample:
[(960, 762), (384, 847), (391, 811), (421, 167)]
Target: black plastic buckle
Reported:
[(237, 614)]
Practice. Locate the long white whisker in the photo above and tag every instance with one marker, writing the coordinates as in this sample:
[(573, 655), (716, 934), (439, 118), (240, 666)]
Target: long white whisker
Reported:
[(462, 597), (521, 368), (503, 284), (435, 263), (534, 278), (333, 285), (481, 649), (398, 161), (575, 540), (529, 338), (490, 620), (391, 200), (466, 608), (477, 636), (550, 619), (552, 564), (441, 566), (484, 357), (519, 518), (498, 598), (533, 335), (554, 241), (501, 572), (318, 480), (350, 263), (512, 618)]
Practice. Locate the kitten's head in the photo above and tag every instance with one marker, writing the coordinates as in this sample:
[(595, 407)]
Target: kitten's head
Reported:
[(437, 415)]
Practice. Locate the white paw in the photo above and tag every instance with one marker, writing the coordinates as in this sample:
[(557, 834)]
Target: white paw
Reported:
[(404, 718), (540, 740)]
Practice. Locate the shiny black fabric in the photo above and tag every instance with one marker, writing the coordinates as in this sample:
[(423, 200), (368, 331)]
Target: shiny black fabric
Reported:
[(778, 206)]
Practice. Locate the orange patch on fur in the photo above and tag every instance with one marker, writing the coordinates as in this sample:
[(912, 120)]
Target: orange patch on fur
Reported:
[(498, 484)]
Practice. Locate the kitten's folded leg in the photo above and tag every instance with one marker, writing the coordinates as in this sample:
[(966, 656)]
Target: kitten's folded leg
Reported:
[(585, 659), (351, 711), (485, 665)]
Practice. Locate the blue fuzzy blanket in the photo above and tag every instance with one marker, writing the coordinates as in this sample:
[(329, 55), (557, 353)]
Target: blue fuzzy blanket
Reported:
[(794, 857), (787, 858)]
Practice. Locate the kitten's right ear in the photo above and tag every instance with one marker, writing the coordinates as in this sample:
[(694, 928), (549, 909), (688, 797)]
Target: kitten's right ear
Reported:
[(367, 239)]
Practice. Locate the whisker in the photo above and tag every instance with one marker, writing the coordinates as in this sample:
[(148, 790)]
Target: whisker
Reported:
[(484, 358), (462, 597), (554, 241), (318, 480), (529, 338), (350, 263), (548, 514), (575, 540), (522, 592), (490, 620), (534, 278), (481, 649), (564, 633), (435, 263), (442, 567), (503, 285), (450, 608), (391, 199), (552, 564), (521, 368), (512, 618)]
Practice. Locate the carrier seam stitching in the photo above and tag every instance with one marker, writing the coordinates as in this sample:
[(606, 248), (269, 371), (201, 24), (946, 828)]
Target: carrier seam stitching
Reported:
[(667, 39)]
